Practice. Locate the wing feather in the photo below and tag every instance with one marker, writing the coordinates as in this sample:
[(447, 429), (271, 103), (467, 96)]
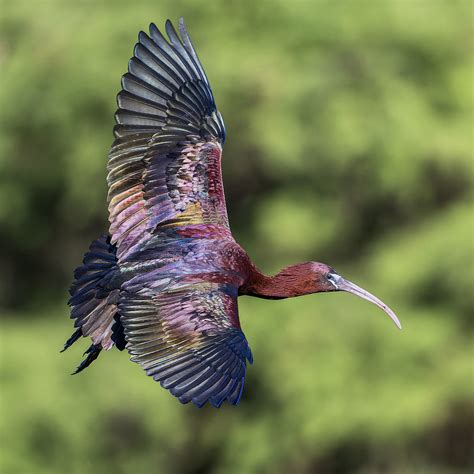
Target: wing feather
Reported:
[(188, 339), (165, 161)]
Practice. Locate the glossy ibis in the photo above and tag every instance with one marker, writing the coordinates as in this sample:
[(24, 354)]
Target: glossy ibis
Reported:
[(164, 282)]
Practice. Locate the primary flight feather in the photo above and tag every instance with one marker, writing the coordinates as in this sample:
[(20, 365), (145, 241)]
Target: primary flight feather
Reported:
[(164, 282)]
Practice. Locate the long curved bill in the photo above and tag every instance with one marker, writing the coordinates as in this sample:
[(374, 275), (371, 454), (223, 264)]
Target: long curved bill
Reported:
[(345, 285)]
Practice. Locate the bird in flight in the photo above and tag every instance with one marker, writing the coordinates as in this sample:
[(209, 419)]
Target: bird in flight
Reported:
[(163, 283)]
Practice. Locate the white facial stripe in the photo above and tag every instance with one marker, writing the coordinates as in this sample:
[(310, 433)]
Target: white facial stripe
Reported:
[(334, 278)]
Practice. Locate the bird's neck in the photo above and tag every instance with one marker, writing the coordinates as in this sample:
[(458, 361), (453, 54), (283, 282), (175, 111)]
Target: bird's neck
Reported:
[(289, 282)]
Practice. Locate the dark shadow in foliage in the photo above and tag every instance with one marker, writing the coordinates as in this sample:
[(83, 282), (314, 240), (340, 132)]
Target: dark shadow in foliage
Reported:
[(448, 445), (451, 442), (120, 435), (47, 443)]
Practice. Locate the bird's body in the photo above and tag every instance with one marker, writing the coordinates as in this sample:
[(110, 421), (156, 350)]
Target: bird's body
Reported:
[(164, 283)]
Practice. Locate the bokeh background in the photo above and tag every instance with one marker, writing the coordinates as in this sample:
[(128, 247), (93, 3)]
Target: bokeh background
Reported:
[(349, 141)]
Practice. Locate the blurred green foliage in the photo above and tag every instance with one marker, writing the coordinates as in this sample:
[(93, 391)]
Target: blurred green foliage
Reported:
[(349, 141)]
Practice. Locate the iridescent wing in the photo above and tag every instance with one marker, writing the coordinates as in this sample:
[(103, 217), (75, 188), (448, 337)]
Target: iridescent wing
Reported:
[(165, 164), (189, 339)]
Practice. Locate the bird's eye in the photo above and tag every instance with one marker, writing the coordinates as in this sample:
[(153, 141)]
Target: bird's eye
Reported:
[(333, 278)]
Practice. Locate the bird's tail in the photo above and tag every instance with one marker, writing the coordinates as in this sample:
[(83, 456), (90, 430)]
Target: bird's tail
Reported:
[(94, 298)]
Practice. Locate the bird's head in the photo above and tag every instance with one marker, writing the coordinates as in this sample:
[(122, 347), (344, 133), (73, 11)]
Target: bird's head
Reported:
[(327, 279), (305, 279)]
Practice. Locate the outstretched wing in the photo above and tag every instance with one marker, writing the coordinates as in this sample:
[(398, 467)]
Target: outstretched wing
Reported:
[(189, 339), (165, 165)]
